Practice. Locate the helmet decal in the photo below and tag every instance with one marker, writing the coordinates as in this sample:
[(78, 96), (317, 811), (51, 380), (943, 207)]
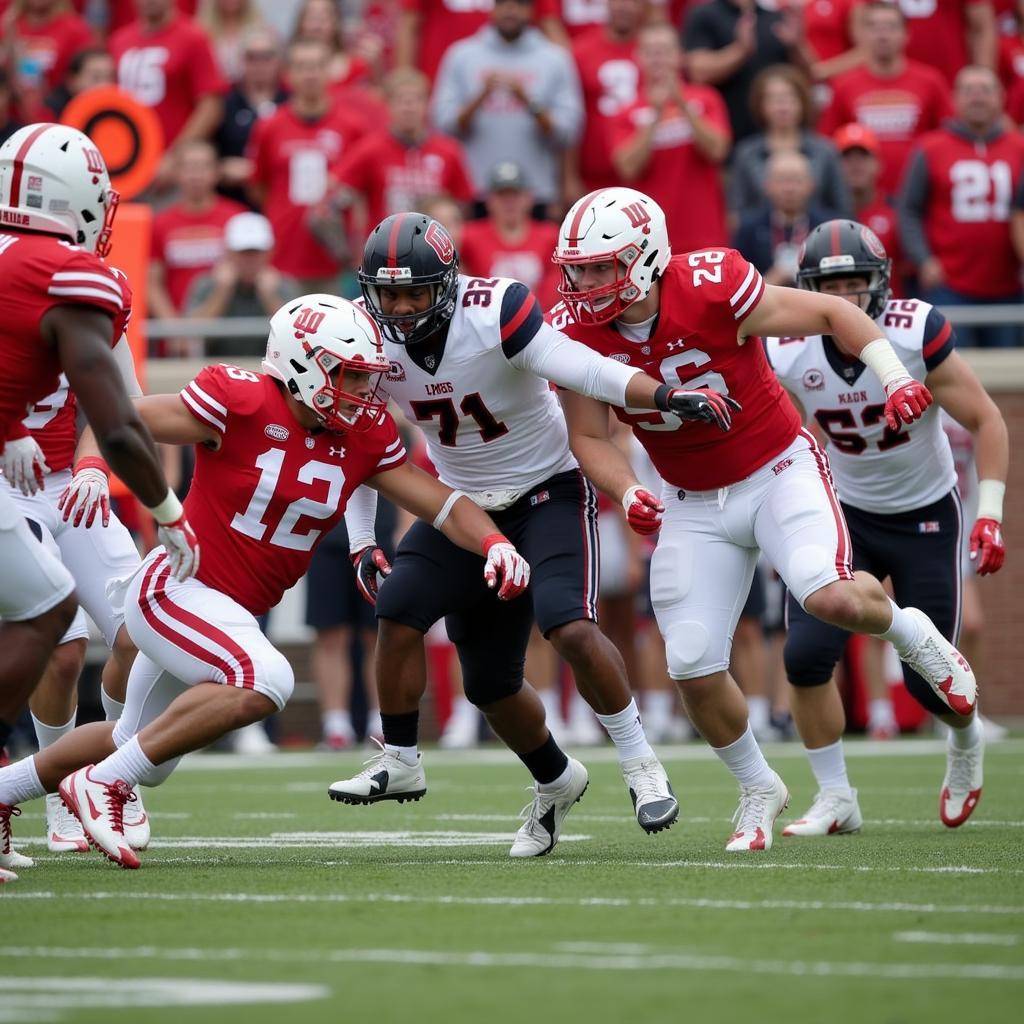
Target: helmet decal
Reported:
[(439, 240)]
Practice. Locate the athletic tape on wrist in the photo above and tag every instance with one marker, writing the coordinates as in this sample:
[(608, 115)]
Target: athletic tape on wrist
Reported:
[(990, 499), (169, 510)]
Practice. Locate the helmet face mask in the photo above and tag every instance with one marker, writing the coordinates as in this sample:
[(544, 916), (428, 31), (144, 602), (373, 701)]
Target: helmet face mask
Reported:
[(314, 341), (841, 249), (620, 227), (410, 250), (54, 180)]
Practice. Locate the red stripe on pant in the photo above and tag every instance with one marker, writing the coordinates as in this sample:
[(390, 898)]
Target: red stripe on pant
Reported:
[(844, 566), (243, 663)]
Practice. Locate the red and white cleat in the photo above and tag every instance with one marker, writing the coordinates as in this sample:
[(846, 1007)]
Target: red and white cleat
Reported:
[(63, 830), (136, 822), (755, 816), (961, 788), (99, 806), (942, 666), (831, 813)]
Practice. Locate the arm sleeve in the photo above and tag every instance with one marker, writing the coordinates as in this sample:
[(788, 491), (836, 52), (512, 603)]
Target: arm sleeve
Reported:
[(553, 356), (360, 517), (126, 364), (206, 398), (939, 339), (912, 202)]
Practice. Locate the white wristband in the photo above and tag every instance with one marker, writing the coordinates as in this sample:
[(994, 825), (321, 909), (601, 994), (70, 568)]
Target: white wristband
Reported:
[(630, 496), (442, 516), (879, 357), (990, 499), (168, 511)]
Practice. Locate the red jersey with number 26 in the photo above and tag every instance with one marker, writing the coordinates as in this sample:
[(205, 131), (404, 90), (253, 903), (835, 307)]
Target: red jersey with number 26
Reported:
[(262, 501), (705, 295)]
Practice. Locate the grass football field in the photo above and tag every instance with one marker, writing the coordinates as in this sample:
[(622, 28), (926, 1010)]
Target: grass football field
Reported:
[(262, 901)]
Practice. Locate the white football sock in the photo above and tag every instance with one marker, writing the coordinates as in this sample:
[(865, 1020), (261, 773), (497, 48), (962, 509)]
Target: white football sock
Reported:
[(554, 784), (746, 762), (829, 767), (113, 709), (759, 712), (966, 738), (880, 713), (20, 782), (407, 755), (336, 723), (659, 704), (128, 763), (47, 735), (627, 732), (904, 631), (552, 701)]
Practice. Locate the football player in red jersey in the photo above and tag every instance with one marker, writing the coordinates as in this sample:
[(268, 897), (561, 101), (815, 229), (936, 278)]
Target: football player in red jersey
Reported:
[(694, 320), (277, 455), (56, 313)]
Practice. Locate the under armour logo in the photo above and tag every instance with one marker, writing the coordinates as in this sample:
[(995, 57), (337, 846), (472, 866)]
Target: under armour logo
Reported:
[(638, 215), (678, 343), (308, 321), (340, 452)]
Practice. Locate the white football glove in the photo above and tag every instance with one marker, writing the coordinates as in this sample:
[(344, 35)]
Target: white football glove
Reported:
[(504, 563), (24, 464), (87, 494)]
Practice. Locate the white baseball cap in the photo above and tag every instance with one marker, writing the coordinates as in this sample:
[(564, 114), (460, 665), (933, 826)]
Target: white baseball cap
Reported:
[(247, 231)]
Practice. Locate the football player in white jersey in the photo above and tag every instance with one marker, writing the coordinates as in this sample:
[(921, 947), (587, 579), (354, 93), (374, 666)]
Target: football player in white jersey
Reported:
[(470, 363), (899, 497)]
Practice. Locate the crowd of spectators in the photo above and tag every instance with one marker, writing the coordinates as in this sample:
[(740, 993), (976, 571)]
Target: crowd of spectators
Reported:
[(749, 121)]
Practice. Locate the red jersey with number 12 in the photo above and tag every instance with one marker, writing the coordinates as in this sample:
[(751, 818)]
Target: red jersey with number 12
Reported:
[(704, 297), (263, 500)]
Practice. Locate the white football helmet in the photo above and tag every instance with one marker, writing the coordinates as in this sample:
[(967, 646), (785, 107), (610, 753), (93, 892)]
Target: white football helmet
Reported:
[(612, 225), (316, 336), (54, 180)]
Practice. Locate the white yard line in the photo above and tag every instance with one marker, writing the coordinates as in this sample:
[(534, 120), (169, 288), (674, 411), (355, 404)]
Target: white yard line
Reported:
[(594, 902), (611, 959), (957, 938)]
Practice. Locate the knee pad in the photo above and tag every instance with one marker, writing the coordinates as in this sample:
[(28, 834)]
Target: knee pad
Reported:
[(275, 678), (809, 657), (686, 649)]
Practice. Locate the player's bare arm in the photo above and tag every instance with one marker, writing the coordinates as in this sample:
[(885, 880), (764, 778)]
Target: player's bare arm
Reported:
[(605, 463), (461, 520), (792, 312), (957, 389)]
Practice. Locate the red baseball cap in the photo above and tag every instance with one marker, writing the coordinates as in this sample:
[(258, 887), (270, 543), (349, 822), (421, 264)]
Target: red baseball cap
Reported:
[(856, 136)]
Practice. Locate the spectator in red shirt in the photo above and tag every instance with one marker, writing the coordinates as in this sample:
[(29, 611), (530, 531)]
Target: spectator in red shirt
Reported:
[(948, 34), (961, 185), (88, 69), (509, 242), (832, 31), (860, 154), (48, 33), (188, 237), (426, 28), (1011, 66), (605, 58), (395, 167), (291, 152), (166, 62), (897, 98), (671, 143)]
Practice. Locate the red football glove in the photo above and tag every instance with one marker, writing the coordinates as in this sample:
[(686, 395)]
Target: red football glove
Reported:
[(643, 510), (987, 550), (906, 401), (504, 567), (372, 568)]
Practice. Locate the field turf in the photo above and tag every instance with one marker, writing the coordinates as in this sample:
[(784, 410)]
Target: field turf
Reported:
[(262, 901)]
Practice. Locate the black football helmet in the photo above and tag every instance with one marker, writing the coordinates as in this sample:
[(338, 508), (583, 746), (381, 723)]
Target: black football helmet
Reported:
[(844, 248), (410, 249)]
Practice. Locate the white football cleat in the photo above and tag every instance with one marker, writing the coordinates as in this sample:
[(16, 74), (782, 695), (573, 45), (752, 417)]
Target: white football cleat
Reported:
[(546, 812), (832, 812), (755, 817), (9, 857), (654, 802), (136, 822), (7, 876), (385, 777), (942, 666), (961, 788), (99, 806), (63, 830)]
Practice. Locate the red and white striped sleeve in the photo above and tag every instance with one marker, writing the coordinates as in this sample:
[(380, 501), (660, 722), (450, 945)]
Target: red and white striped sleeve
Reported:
[(206, 398), (83, 279), (394, 453), (744, 285)]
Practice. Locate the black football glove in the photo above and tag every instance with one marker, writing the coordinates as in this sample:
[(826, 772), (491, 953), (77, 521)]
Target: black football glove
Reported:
[(372, 568), (700, 404)]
